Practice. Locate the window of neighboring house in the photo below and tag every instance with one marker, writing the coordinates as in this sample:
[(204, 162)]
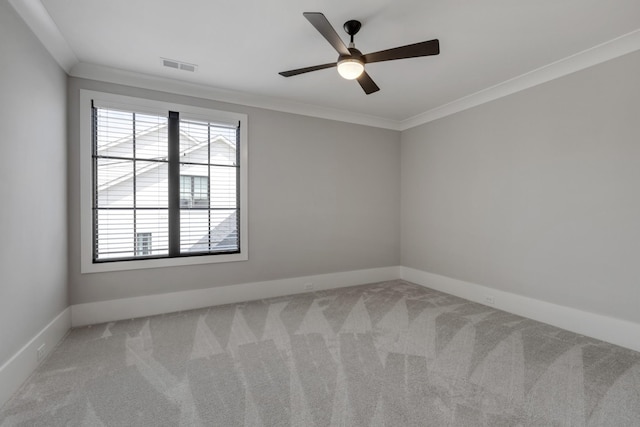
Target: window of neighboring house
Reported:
[(174, 172), (143, 244), (194, 191)]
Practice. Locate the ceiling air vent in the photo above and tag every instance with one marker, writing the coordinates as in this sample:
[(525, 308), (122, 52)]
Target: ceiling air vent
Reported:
[(187, 67), (178, 65)]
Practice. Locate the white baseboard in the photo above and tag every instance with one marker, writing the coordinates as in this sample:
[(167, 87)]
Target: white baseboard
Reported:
[(129, 308), (616, 331), (17, 369)]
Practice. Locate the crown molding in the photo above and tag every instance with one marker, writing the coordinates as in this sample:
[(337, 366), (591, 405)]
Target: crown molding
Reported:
[(603, 52), (41, 23), (147, 81), (37, 18)]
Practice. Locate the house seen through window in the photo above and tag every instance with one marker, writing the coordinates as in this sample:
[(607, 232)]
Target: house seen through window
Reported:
[(194, 191), (143, 244)]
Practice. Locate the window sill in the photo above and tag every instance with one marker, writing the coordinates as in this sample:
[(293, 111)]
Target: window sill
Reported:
[(90, 267)]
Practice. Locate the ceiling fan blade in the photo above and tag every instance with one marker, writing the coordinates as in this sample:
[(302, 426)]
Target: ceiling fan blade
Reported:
[(306, 69), (320, 22), (367, 83), (431, 47)]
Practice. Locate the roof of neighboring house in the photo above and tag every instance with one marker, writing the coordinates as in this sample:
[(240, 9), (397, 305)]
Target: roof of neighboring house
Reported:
[(197, 145)]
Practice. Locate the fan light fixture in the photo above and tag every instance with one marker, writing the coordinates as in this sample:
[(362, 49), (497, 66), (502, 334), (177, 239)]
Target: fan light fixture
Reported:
[(350, 68)]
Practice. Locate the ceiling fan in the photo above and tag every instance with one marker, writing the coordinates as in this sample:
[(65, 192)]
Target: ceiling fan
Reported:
[(351, 61)]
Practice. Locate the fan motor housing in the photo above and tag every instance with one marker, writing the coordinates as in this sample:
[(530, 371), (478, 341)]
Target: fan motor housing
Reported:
[(355, 54)]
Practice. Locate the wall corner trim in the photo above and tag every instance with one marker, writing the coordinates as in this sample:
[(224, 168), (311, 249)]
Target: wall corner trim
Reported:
[(616, 331), (21, 365), (128, 308)]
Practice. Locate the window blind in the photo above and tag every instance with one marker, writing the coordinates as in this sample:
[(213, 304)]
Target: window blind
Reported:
[(150, 203)]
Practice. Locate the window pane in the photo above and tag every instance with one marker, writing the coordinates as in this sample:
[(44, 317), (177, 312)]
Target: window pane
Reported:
[(223, 187), (114, 133), (114, 233), (114, 186), (194, 192), (151, 137), (194, 230), (156, 223), (223, 146), (201, 191), (208, 231), (152, 184), (224, 230), (194, 142)]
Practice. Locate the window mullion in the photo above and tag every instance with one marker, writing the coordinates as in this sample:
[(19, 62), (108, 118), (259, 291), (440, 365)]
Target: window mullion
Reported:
[(174, 183), (209, 185), (135, 189)]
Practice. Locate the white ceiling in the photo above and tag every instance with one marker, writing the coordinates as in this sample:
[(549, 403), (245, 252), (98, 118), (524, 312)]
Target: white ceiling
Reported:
[(241, 45)]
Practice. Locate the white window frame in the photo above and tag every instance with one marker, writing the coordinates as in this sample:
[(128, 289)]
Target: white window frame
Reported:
[(86, 191)]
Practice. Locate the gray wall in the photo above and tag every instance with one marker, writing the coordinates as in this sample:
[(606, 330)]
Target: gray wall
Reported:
[(33, 201), (324, 197), (537, 193)]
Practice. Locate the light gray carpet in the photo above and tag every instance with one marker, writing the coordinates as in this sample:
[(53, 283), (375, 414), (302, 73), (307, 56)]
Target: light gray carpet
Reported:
[(391, 353)]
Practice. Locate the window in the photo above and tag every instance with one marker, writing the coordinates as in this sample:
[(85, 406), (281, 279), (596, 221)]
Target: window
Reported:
[(143, 244), (194, 191), (173, 172)]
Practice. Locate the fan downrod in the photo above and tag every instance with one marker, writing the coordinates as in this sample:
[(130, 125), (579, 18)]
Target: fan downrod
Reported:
[(352, 27)]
